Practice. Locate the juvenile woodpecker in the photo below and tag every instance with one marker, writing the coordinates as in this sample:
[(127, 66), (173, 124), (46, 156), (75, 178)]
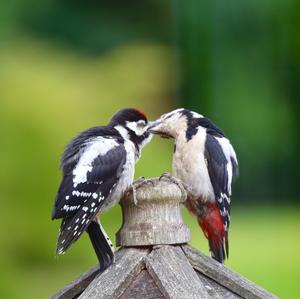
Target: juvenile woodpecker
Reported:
[(205, 161), (98, 167)]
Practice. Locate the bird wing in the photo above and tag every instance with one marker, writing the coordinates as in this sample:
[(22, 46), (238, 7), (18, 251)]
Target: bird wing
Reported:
[(220, 173), (222, 165), (83, 191)]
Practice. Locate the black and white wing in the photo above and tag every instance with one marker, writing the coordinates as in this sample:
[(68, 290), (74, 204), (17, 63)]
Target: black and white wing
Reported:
[(92, 174), (222, 166)]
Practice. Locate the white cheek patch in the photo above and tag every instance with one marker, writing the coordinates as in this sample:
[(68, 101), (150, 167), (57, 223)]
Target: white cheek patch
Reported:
[(138, 130)]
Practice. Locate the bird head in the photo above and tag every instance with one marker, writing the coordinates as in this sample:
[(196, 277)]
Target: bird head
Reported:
[(170, 125), (132, 124)]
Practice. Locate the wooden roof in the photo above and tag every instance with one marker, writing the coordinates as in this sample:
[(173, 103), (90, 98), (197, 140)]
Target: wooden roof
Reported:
[(177, 271), (155, 262)]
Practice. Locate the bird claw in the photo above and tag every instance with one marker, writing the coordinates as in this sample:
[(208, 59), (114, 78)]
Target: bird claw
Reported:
[(165, 175), (178, 183), (139, 181)]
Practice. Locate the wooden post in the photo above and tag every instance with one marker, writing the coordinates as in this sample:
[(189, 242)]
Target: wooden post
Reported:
[(154, 216)]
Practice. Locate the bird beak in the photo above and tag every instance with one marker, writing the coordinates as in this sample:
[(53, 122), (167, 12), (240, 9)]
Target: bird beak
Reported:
[(154, 128), (152, 125)]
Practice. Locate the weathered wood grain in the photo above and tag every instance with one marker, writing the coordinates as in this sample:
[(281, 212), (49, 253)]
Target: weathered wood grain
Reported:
[(143, 287), (154, 217), (216, 290), (224, 276), (114, 280), (174, 275)]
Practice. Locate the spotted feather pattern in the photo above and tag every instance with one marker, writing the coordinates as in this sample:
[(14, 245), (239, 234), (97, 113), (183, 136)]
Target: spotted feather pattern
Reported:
[(83, 192)]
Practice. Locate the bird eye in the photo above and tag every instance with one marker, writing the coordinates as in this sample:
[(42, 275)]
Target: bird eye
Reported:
[(141, 123)]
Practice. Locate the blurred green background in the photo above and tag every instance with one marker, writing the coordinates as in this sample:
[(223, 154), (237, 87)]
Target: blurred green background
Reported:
[(69, 65)]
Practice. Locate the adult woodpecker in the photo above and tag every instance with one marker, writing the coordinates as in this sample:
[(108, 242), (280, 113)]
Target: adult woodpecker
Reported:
[(205, 161), (98, 167)]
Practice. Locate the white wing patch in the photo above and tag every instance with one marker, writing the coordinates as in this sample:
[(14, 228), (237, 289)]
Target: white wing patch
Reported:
[(229, 153), (98, 146), (227, 148)]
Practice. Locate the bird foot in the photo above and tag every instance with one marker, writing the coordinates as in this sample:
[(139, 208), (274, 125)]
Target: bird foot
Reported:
[(184, 190), (166, 175)]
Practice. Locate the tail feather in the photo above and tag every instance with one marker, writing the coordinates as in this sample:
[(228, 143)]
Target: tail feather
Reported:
[(70, 230), (211, 223), (102, 244), (217, 250), (226, 245)]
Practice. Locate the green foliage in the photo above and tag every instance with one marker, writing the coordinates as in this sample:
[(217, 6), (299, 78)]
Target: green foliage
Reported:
[(69, 65), (239, 63), (89, 27)]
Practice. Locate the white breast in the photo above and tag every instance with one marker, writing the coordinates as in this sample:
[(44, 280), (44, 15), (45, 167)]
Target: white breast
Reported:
[(189, 165)]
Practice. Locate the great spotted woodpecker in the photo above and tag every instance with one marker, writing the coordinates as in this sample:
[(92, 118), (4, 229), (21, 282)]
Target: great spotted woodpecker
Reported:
[(98, 167), (205, 161)]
